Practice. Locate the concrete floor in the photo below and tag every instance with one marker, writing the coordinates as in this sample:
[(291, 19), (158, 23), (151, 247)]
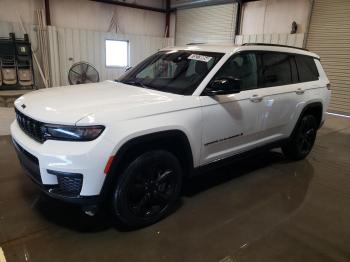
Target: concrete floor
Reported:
[(263, 209), (7, 115)]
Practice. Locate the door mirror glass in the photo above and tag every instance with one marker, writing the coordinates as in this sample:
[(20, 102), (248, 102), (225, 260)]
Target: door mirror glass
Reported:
[(223, 86)]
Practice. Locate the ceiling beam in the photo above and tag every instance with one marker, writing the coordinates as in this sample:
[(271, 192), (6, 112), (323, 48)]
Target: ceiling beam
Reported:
[(143, 7), (172, 8), (198, 3), (187, 4)]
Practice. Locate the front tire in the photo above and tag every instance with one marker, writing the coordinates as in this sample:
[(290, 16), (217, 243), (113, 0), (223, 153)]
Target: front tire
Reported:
[(302, 140), (148, 189)]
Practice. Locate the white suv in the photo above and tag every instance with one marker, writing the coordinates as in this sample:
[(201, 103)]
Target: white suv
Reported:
[(132, 142)]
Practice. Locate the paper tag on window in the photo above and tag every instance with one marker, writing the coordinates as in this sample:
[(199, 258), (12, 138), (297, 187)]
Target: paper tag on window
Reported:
[(202, 58)]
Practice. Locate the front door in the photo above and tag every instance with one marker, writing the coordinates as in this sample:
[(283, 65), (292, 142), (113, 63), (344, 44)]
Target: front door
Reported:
[(232, 122)]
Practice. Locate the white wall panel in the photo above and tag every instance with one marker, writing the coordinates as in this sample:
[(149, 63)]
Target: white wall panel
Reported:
[(90, 15), (25, 8), (54, 57), (75, 45), (281, 39), (274, 16), (14, 27)]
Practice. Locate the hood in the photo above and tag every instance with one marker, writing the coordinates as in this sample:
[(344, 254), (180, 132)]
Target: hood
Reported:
[(69, 104)]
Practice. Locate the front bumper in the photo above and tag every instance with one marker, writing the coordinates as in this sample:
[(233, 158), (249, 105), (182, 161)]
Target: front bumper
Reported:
[(69, 171)]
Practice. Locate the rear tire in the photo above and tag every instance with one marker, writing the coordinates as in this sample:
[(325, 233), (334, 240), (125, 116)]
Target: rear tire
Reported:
[(302, 140), (148, 189)]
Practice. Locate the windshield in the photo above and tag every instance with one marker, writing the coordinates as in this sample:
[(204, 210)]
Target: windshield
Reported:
[(178, 72)]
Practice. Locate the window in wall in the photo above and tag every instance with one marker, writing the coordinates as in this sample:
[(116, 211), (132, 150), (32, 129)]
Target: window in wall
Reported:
[(117, 53), (242, 67), (276, 69), (307, 68)]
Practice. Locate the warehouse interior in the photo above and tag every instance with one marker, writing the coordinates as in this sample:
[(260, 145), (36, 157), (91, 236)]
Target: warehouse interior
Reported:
[(264, 208)]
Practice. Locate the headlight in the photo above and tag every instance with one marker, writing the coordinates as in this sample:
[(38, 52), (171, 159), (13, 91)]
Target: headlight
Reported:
[(72, 133)]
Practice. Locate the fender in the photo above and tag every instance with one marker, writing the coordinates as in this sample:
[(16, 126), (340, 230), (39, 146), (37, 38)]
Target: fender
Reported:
[(174, 141)]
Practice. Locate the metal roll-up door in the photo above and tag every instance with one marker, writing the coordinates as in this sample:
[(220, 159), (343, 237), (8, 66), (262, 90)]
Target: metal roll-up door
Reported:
[(208, 24), (329, 37)]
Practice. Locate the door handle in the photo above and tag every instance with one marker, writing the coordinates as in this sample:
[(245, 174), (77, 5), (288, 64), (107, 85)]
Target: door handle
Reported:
[(300, 91), (256, 99)]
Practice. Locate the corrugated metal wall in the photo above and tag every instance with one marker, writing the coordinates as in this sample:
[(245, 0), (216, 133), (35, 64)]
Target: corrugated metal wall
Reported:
[(68, 46), (329, 37), (281, 39), (207, 24)]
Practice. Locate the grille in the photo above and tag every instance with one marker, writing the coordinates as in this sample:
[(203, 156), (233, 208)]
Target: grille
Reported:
[(31, 127), (69, 186)]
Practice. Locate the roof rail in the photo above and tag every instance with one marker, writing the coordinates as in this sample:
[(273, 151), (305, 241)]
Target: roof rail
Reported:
[(265, 44)]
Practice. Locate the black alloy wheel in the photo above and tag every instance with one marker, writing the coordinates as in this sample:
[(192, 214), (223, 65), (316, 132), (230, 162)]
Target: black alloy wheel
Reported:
[(307, 136), (148, 189), (303, 139)]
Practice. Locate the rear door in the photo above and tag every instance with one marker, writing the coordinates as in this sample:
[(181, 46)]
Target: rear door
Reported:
[(282, 94)]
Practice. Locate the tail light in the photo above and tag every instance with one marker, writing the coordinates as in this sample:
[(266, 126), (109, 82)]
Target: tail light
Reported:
[(329, 86)]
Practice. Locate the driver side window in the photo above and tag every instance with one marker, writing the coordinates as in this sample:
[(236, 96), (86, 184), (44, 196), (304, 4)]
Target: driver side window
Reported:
[(241, 67)]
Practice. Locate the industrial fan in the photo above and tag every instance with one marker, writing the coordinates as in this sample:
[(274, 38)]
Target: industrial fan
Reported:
[(82, 73)]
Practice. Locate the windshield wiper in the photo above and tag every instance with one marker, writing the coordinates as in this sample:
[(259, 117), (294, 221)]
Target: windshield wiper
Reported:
[(136, 83)]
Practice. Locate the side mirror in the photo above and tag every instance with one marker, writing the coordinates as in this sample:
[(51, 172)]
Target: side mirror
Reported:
[(223, 86)]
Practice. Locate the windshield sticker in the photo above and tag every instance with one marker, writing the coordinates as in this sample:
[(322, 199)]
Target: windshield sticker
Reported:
[(202, 58)]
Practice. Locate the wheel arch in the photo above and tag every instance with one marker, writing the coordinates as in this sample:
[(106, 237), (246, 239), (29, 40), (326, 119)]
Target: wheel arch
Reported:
[(174, 141), (313, 108)]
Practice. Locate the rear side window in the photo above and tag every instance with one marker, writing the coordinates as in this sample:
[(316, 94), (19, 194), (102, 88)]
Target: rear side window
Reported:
[(276, 69), (306, 68)]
